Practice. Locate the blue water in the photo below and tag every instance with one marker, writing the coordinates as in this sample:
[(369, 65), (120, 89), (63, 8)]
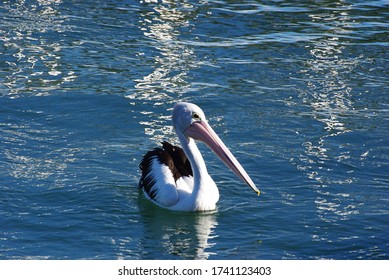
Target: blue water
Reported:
[(298, 91)]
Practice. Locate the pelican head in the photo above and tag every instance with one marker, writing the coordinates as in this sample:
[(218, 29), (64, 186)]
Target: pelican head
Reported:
[(189, 120)]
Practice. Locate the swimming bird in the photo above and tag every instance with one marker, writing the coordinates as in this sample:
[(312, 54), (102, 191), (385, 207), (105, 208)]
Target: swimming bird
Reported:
[(177, 178)]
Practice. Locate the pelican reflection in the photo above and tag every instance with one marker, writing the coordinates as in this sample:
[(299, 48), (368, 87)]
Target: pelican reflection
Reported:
[(170, 235)]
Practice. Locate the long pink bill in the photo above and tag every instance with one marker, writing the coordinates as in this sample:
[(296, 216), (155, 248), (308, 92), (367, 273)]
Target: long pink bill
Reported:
[(202, 131)]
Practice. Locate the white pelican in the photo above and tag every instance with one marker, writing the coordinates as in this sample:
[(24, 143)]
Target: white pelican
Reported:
[(177, 179)]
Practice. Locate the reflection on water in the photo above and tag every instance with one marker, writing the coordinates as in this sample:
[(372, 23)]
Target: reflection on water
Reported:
[(169, 235), (329, 100), (328, 67), (162, 23), (30, 59)]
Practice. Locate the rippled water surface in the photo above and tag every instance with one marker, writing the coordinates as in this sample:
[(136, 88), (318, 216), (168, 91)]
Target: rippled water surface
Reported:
[(298, 90)]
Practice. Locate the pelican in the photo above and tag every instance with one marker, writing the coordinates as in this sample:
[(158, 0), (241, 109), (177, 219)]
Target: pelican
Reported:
[(177, 179)]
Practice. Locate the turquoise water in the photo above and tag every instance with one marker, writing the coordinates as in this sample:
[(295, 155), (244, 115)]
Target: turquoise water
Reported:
[(298, 91)]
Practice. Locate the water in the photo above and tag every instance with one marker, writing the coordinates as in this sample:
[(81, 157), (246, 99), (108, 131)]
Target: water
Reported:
[(298, 91)]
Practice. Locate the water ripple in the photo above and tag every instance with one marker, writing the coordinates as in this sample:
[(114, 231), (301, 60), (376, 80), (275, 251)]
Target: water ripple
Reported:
[(296, 90)]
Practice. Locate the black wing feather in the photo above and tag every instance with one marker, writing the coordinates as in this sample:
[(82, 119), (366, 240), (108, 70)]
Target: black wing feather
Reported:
[(169, 155), (180, 161)]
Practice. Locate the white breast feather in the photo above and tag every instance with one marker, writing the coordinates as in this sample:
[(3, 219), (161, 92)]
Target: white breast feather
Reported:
[(166, 191)]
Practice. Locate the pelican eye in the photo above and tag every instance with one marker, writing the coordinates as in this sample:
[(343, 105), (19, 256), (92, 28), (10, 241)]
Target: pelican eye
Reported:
[(196, 117)]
